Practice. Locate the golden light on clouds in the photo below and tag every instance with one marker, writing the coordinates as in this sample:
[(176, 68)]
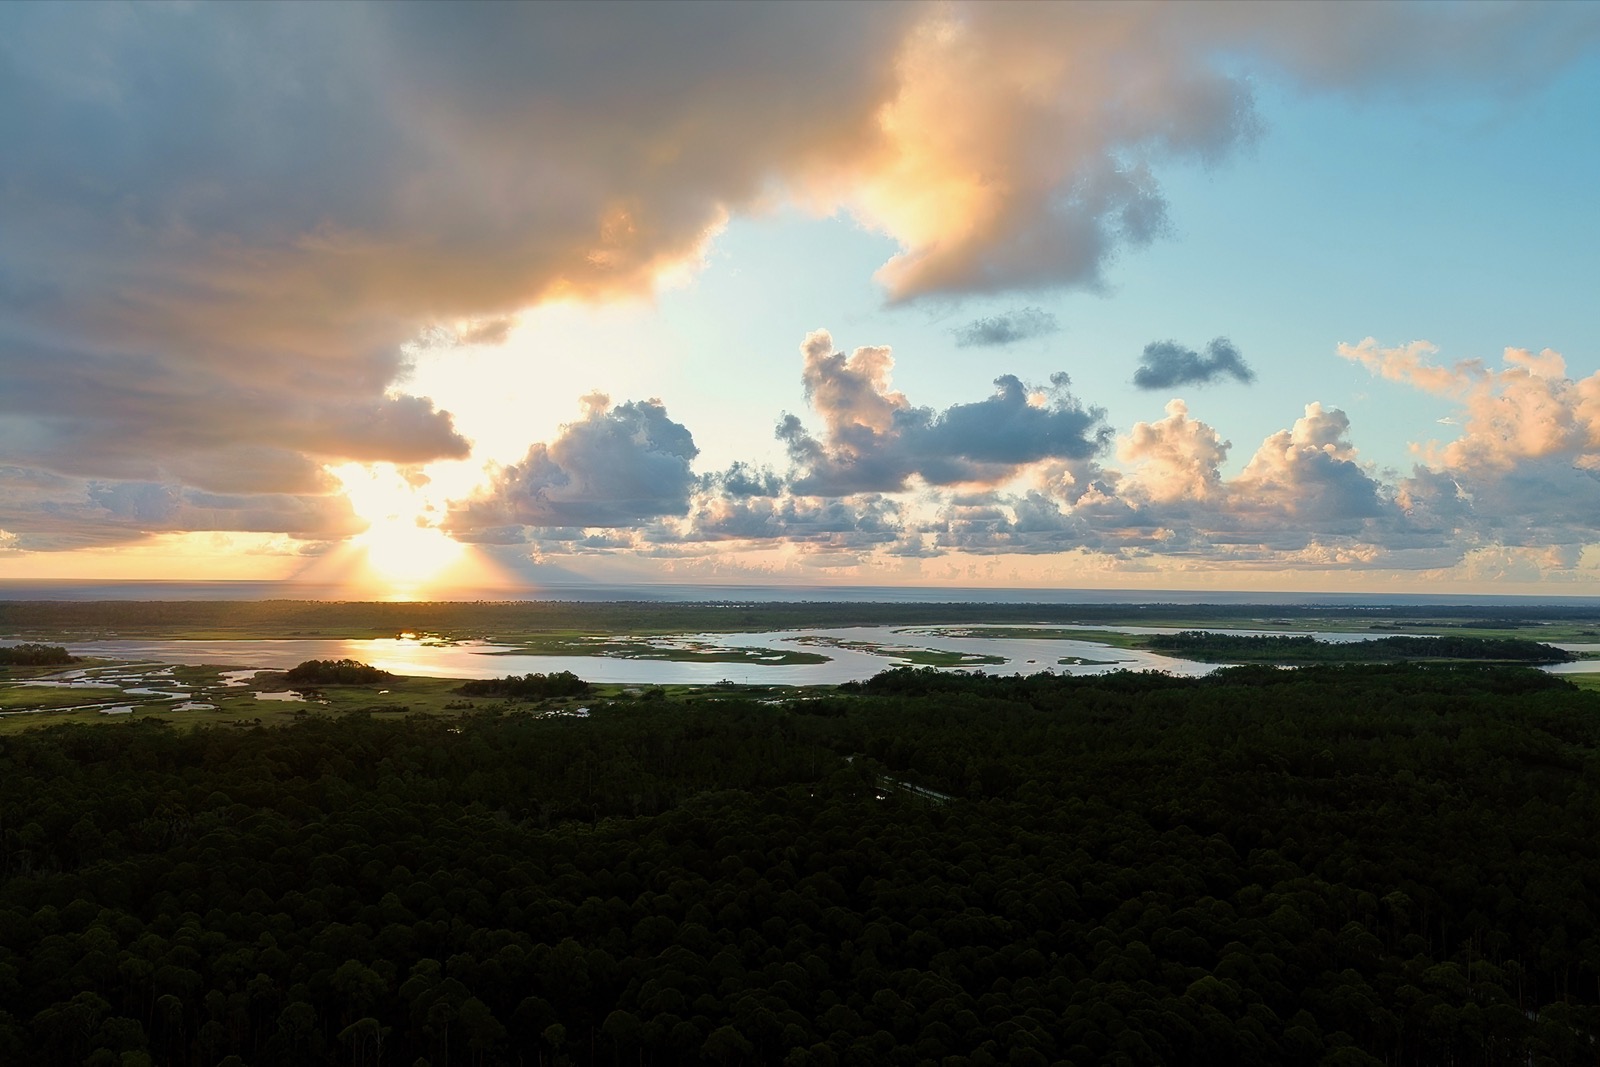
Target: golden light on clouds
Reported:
[(401, 552)]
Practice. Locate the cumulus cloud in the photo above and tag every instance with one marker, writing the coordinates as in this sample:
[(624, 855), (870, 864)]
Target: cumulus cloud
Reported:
[(1166, 364), (874, 440), (743, 480), (224, 222), (1528, 409), (1525, 468), (871, 485), (1176, 458), (1007, 328), (1303, 487), (1310, 470), (1304, 494), (836, 524), (614, 467)]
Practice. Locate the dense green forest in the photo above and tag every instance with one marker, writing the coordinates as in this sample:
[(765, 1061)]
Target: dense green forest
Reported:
[(35, 655), (336, 672), (526, 686), (1337, 865), (1282, 648)]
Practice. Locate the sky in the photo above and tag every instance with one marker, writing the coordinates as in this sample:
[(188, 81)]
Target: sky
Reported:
[(423, 298)]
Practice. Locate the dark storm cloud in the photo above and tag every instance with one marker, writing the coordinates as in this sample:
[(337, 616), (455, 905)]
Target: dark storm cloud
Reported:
[(1166, 364), (1007, 328)]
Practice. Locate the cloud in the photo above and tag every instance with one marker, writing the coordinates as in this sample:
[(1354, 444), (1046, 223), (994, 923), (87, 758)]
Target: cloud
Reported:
[(1007, 328), (1303, 487), (856, 524), (1528, 409), (1021, 144), (1310, 471), (620, 481), (226, 421), (224, 223), (1176, 458), (1166, 364), (223, 227), (1525, 468), (48, 512), (614, 467), (874, 440), (743, 480)]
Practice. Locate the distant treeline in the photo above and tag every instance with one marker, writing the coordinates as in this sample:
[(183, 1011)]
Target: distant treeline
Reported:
[(34, 655), (526, 686), (336, 672), (1278, 648), (358, 619), (1343, 866)]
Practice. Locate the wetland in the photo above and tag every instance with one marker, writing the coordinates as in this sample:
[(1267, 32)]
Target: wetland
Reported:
[(211, 662)]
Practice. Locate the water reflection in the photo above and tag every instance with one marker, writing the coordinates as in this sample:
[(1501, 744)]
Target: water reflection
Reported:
[(846, 647), (482, 660)]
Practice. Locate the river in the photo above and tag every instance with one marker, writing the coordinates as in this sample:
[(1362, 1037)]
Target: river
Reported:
[(483, 660), (853, 653), (873, 653)]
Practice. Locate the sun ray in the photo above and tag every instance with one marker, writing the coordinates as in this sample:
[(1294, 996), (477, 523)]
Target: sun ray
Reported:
[(401, 550)]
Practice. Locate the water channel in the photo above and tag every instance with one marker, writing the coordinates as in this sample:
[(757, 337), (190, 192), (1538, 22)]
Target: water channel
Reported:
[(855, 653)]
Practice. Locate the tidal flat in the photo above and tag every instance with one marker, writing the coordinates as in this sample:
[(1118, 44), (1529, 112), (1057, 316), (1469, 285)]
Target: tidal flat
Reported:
[(223, 662)]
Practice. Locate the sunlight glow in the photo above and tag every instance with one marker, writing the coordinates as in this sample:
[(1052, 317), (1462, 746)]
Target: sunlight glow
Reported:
[(401, 545)]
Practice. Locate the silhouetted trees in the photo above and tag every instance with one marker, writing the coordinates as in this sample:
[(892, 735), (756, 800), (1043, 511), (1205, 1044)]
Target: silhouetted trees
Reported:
[(35, 655), (336, 672), (1331, 865), (1282, 648), (526, 686)]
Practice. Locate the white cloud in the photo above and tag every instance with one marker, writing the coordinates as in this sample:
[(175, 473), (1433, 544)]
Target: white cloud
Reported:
[(1176, 458), (224, 222)]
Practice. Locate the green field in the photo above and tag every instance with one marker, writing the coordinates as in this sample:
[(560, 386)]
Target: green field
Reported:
[(24, 707)]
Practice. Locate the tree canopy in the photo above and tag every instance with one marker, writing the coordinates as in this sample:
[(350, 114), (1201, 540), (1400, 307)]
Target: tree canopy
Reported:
[(526, 686), (1283, 648), (1331, 865), (336, 672), (29, 654)]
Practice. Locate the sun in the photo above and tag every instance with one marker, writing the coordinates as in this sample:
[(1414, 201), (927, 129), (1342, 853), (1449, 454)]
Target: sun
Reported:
[(401, 546), (405, 552)]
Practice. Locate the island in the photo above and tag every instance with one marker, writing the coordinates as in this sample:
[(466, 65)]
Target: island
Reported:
[(1280, 648)]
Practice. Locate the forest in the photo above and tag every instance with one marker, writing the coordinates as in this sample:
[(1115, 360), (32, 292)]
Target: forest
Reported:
[(32, 654), (335, 672), (1283, 648), (526, 686), (1335, 865)]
